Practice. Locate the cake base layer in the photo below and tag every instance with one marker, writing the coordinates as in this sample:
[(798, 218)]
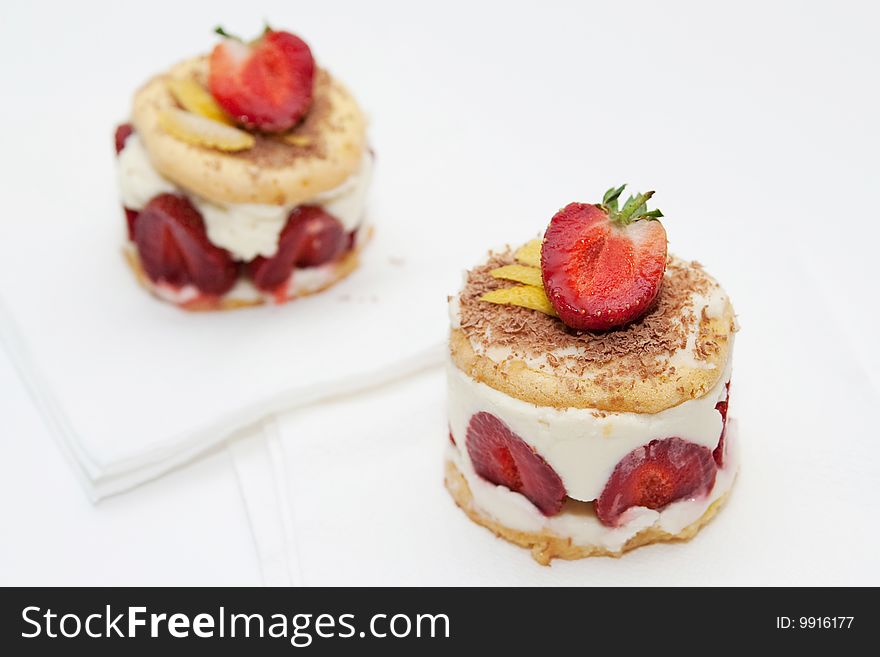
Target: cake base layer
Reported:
[(546, 546)]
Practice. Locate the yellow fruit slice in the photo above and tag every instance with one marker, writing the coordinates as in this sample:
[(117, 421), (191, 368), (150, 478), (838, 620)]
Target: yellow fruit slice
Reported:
[(199, 131), (194, 98), (529, 253), (527, 296), (298, 140), (520, 274)]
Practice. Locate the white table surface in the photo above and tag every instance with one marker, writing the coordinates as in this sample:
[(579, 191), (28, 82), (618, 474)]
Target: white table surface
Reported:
[(792, 158)]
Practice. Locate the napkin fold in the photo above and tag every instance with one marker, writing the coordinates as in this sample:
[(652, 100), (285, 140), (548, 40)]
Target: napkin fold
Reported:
[(262, 479)]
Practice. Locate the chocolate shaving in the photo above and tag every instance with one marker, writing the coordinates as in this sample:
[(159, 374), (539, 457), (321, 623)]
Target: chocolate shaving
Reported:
[(706, 343)]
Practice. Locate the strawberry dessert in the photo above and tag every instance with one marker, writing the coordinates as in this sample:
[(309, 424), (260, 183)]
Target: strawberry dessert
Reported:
[(243, 176), (589, 377)]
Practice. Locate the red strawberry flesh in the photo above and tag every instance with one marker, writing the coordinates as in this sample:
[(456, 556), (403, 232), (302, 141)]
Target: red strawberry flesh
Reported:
[(655, 475), (602, 269), (324, 239), (311, 237), (174, 248), (123, 132), (130, 219), (721, 407), (265, 85), (503, 458)]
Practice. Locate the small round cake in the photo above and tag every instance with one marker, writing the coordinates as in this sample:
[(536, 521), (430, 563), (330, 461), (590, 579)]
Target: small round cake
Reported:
[(577, 442), (244, 177)]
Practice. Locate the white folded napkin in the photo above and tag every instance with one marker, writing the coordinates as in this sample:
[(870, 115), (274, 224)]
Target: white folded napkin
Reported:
[(366, 504), (132, 386)]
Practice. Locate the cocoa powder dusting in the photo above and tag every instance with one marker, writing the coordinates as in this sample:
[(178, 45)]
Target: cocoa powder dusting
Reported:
[(271, 151)]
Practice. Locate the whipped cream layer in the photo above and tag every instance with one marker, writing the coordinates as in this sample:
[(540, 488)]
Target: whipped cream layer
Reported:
[(582, 445), (246, 230), (578, 520)]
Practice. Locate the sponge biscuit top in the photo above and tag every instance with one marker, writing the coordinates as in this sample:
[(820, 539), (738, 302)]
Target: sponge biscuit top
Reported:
[(329, 148), (676, 351)]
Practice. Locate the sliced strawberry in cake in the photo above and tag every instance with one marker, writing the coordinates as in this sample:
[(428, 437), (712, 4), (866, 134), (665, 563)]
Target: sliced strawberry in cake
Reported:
[(502, 457), (655, 475), (174, 248), (311, 237), (719, 451)]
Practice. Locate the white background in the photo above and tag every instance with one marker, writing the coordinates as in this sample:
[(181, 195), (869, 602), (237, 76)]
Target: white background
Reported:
[(755, 122)]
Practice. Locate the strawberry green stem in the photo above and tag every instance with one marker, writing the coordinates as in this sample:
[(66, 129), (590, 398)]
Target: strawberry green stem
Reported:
[(625, 216), (611, 196), (633, 210), (226, 35)]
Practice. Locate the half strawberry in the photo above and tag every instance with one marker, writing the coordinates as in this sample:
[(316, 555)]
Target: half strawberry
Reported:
[(266, 84), (603, 266), (720, 451)]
